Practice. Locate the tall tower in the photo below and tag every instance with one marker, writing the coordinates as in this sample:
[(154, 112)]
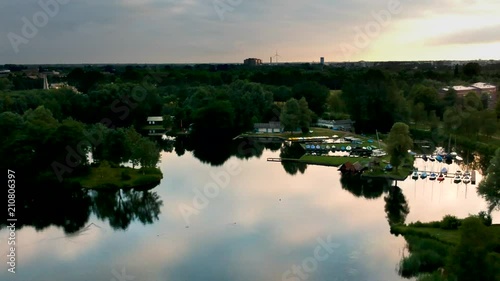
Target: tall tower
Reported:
[(322, 60)]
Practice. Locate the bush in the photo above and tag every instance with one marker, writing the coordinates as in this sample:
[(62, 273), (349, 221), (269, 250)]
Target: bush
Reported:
[(150, 171), (125, 176), (450, 222), (436, 276), (145, 180), (484, 217), (409, 267)]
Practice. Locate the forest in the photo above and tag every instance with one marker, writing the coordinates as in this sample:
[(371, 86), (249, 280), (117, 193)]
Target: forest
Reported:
[(45, 128)]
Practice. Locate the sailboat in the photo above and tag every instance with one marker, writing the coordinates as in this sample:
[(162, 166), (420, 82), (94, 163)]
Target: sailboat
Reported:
[(466, 179), (423, 175), (457, 179), (433, 176), (444, 171), (415, 175), (440, 178)]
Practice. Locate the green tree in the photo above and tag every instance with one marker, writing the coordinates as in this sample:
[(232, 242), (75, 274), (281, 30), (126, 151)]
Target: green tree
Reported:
[(470, 260), (418, 113), (452, 120), (488, 122), (373, 101), (433, 120), (472, 69), (489, 188), (427, 96), (5, 84), (305, 115), (472, 101), (316, 95), (450, 98), (290, 115), (398, 143), (456, 72), (497, 109), (335, 103)]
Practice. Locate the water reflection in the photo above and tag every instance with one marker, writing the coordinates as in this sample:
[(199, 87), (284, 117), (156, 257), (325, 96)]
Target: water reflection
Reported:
[(292, 151), (121, 207), (369, 188), (396, 206), (70, 208), (217, 151)]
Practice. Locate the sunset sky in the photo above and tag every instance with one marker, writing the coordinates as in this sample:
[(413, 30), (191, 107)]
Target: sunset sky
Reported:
[(202, 31)]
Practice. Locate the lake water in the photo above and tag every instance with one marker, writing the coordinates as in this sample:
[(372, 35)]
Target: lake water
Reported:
[(257, 223)]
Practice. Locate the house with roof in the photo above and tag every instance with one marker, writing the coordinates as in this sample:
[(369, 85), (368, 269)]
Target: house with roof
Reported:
[(271, 127), (480, 88), (155, 120), (343, 125), (155, 126)]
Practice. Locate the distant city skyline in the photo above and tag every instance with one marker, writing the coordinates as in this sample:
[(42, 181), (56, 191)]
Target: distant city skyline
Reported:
[(223, 31)]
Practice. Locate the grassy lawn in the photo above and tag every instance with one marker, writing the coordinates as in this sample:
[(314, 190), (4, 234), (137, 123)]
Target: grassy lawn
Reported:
[(331, 160), (107, 177), (316, 132), (445, 236)]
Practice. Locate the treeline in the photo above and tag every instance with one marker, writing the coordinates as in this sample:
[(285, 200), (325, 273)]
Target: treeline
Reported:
[(451, 249), (45, 150), (238, 96)]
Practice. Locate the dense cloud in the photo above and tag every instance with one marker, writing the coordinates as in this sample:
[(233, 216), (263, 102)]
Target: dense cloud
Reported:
[(214, 30)]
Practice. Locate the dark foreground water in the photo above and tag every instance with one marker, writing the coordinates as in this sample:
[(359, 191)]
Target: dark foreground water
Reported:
[(244, 220)]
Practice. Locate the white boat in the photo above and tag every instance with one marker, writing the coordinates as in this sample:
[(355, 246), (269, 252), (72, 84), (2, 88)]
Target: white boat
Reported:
[(457, 179), (466, 179), (348, 148), (458, 158)]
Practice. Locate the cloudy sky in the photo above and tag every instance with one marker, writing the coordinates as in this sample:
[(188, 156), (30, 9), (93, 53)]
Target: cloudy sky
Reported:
[(199, 31)]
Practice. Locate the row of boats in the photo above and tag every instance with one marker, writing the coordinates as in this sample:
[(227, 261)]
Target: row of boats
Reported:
[(459, 177), (441, 158), (333, 148)]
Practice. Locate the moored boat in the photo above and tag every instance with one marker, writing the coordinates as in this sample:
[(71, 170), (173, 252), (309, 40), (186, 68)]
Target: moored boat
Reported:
[(423, 175), (466, 179), (457, 179), (440, 178), (433, 176), (415, 175), (432, 159)]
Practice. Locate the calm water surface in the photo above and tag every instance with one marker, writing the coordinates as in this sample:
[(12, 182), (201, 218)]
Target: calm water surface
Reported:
[(263, 224)]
